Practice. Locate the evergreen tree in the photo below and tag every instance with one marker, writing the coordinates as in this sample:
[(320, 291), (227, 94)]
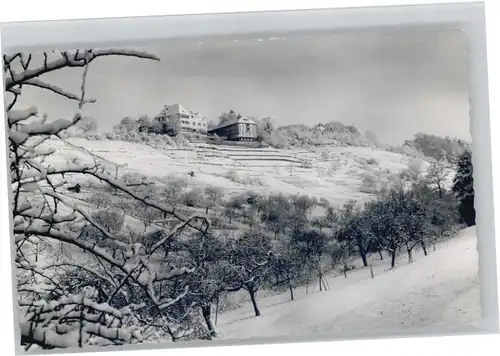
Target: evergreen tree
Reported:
[(463, 187)]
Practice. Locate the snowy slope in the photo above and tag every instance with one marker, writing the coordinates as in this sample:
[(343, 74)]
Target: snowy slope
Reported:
[(438, 290)]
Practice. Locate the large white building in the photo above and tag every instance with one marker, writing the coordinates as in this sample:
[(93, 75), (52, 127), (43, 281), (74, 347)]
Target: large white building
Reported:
[(186, 120)]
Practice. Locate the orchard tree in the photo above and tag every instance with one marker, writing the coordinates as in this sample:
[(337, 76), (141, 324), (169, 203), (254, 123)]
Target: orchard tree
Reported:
[(354, 231), (213, 197), (233, 206), (301, 207), (383, 225), (247, 266), (275, 213), (206, 283), (173, 191), (287, 268), (312, 247)]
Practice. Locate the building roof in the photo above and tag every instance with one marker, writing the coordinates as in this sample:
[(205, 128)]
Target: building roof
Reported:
[(235, 120), (180, 109)]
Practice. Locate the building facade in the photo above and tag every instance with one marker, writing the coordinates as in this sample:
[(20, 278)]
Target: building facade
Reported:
[(185, 120), (237, 129)]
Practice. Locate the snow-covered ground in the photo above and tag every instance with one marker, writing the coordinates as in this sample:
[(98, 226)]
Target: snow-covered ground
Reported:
[(437, 292), (337, 177)]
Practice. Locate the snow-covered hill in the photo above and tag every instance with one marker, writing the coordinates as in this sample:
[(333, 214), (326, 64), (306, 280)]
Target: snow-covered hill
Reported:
[(334, 173)]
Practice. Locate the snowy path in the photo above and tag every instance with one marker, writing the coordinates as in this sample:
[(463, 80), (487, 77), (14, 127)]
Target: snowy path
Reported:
[(439, 290)]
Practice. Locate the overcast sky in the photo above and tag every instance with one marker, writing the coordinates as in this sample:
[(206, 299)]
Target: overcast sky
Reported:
[(393, 82)]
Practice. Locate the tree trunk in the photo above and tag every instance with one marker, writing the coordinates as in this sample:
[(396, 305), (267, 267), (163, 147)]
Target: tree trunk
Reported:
[(363, 257), (424, 248), (217, 310), (206, 311), (308, 281), (324, 284), (410, 255), (254, 302), (380, 254), (206, 210), (371, 271), (393, 258), (291, 291)]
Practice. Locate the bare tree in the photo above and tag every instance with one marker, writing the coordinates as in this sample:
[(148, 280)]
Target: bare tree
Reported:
[(383, 225), (56, 315), (436, 176), (413, 172), (232, 207), (354, 231), (206, 284), (248, 264), (173, 191), (213, 197), (312, 247), (268, 125), (193, 198), (287, 268), (300, 211), (87, 125)]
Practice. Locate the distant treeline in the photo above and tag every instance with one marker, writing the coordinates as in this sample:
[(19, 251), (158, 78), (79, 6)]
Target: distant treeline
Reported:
[(331, 133)]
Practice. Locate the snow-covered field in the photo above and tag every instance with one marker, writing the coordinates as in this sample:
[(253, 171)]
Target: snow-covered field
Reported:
[(437, 292), (337, 177)]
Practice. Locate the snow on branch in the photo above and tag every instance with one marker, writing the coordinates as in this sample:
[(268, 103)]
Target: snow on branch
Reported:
[(14, 116), (48, 128), (51, 219), (43, 85), (85, 268), (71, 59)]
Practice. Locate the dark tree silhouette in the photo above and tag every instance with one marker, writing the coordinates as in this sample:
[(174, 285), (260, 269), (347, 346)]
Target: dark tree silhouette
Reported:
[(463, 187)]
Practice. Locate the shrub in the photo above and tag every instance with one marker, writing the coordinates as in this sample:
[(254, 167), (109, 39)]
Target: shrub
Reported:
[(308, 164), (369, 183), (193, 198), (100, 200)]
